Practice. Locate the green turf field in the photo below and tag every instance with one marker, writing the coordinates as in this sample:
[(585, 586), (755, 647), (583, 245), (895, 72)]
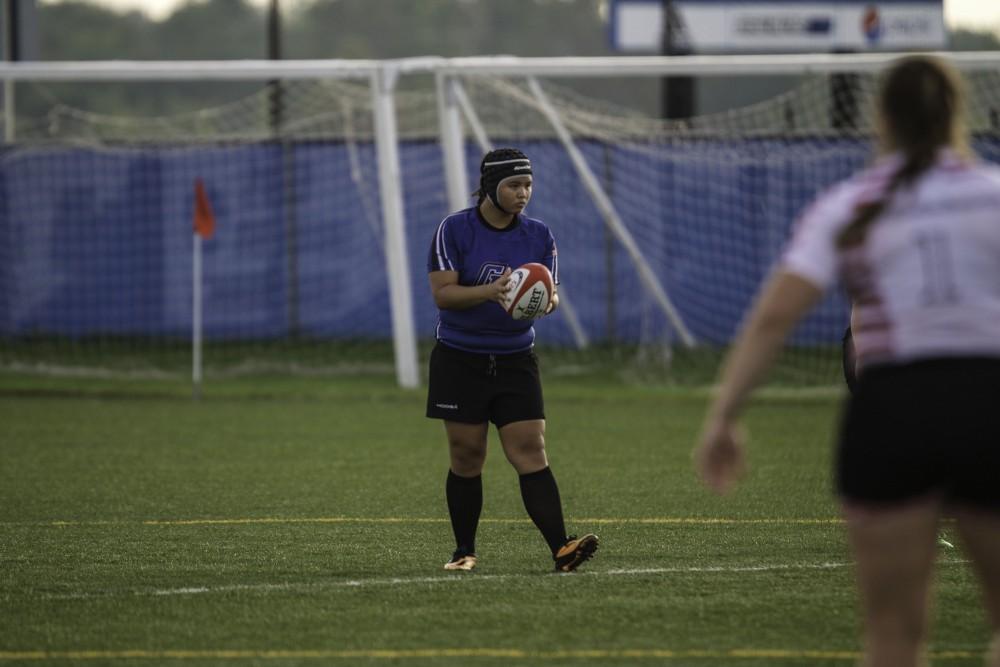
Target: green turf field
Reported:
[(302, 522)]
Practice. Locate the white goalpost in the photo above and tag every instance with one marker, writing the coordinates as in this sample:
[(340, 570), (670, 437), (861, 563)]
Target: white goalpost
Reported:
[(664, 226), (381, 78)]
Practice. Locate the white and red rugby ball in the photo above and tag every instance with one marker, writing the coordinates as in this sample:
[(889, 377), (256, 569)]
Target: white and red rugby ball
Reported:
[(531, 289)]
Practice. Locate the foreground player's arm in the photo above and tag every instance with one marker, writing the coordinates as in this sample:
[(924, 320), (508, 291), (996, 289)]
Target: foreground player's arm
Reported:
[(785, 299), (449, 295)]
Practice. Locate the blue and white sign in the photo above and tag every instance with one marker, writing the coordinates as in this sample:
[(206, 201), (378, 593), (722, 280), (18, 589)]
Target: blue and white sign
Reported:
[(778, 26)]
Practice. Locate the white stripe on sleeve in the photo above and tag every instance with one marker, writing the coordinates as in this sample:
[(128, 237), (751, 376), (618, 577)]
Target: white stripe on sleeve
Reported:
[(443, 261)]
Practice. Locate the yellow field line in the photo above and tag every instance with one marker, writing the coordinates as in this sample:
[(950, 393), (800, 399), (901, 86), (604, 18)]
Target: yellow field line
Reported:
[(701, 521), (510, 654)]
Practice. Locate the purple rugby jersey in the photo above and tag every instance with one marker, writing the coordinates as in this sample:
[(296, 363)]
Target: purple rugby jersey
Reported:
[(465, 242)]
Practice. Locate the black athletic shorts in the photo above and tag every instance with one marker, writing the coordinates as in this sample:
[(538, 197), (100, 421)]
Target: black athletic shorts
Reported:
[(923, 428), (476, 388)]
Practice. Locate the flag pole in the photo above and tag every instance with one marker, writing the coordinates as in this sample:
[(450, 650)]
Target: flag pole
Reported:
[(196, 319), (204, 228)]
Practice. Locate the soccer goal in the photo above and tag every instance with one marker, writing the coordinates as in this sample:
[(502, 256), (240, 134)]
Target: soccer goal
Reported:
[(667, 227), (324, 181), (306, 269)]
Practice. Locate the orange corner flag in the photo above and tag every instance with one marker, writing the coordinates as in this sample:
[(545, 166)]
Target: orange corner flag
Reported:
[(204, 220)]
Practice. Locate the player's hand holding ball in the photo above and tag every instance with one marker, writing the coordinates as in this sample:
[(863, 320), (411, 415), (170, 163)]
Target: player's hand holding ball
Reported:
[(499, 288), (530, 290)]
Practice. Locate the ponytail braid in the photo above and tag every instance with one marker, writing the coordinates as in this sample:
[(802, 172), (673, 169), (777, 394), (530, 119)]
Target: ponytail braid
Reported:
[(856, 231), (920, 106)]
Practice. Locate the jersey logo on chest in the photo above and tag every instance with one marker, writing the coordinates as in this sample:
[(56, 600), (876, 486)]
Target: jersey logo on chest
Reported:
[(489, 272)]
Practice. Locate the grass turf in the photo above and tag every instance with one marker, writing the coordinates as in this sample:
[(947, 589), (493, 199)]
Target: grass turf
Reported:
[(303, 522)]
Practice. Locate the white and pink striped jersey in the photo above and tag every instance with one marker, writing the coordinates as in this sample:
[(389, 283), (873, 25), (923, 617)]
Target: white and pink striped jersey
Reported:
[(926, 281)]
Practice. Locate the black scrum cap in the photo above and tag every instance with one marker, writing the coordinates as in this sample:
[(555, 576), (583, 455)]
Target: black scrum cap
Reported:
[(499, 165)]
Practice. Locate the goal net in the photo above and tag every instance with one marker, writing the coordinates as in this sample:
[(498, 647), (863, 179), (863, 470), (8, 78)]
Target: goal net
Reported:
[(98, 209), (710, 203), (665, 228)]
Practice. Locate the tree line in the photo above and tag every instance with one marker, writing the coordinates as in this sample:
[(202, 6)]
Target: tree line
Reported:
[(223, 29), (236, 29)]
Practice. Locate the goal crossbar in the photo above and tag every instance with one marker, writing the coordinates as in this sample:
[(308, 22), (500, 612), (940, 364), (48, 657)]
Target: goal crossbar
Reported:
[(704, 65)]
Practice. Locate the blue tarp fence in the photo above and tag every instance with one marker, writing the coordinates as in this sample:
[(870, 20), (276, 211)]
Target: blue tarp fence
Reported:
[(98, 242)]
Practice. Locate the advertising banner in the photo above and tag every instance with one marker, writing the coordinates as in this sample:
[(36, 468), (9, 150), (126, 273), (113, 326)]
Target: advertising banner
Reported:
[(778, 26)]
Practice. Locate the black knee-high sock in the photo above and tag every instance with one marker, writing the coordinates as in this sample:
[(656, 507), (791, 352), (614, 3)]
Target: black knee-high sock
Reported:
[(540, 494), (465, 503)]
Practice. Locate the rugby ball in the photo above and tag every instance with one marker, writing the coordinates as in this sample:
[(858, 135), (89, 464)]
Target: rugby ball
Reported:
[(530, 291)]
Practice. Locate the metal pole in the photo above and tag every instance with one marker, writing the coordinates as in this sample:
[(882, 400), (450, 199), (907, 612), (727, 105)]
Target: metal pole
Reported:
[(678, 91), (611, 312), (844, 109), (452, 142), (276, 121), (404, 335), (12, 53), (276, 100)]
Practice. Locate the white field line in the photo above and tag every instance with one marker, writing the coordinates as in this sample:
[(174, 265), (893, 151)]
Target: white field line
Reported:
[(453, 578)]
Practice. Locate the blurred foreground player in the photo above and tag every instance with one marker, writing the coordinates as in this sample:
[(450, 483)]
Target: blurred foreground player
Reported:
[(916, 241)]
